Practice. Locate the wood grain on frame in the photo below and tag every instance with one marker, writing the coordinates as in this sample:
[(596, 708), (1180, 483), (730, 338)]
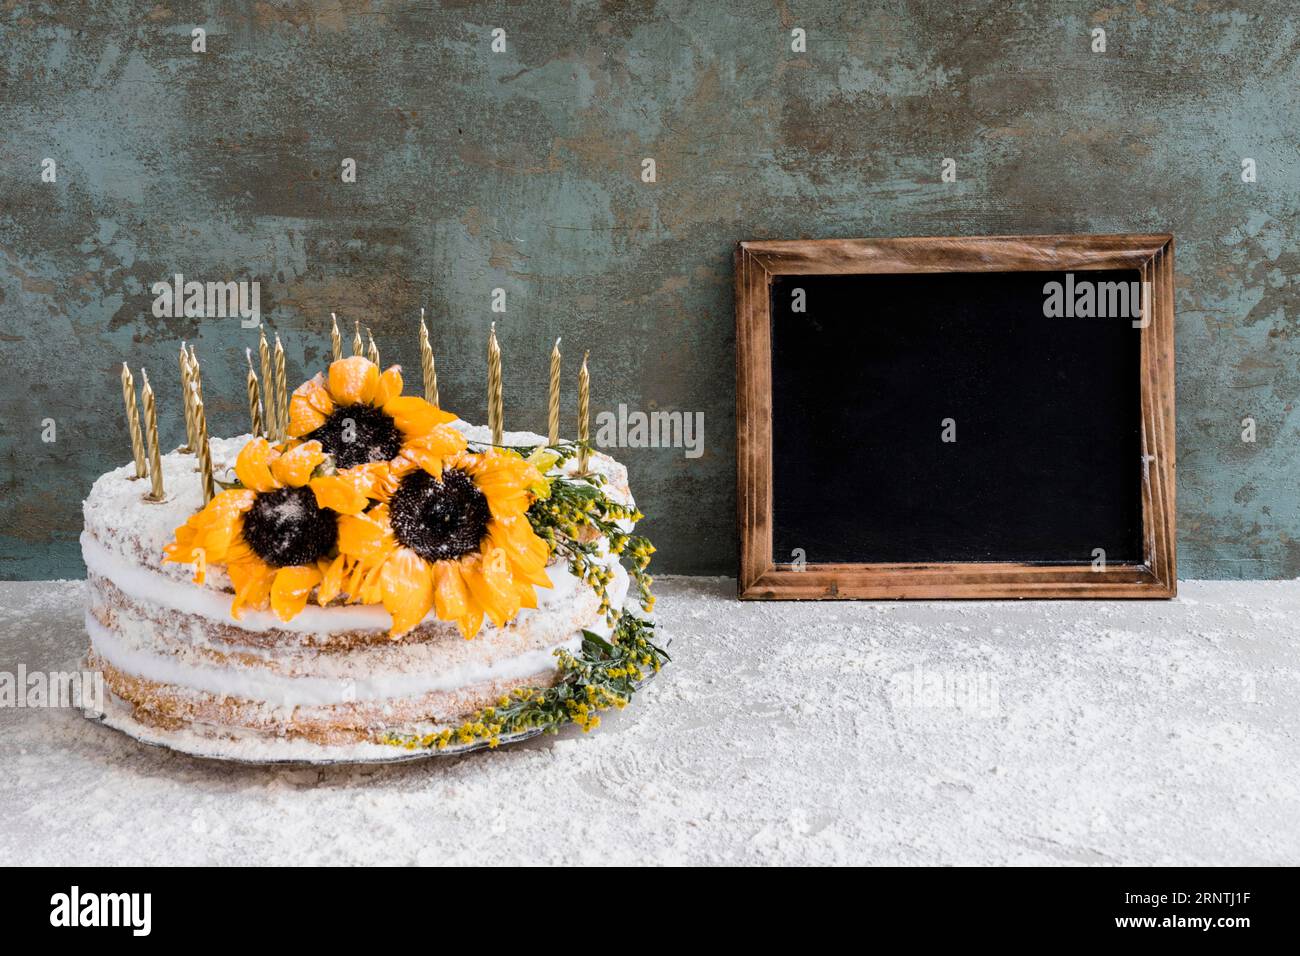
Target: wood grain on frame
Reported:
[(756, 263)]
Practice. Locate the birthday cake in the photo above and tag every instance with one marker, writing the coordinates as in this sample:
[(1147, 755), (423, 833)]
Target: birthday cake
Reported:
[(370, 577)]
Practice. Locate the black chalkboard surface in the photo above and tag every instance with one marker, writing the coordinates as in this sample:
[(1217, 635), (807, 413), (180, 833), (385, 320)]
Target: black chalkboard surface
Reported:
[(953, 421), (956, 417)]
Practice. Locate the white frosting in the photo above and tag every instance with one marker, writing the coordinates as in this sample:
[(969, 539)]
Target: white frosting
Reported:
[(148, 586), (189, 639), (118, 515), (277, 690)]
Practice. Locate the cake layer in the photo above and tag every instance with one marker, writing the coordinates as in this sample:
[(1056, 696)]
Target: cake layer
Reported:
[(568, 599), (173, 648), (177, 707)]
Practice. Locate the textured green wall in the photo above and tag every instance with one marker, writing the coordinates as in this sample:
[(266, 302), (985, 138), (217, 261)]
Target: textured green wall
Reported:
[(522, 170)]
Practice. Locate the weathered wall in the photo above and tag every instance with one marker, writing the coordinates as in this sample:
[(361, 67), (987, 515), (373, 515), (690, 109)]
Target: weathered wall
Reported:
[(522, 170)]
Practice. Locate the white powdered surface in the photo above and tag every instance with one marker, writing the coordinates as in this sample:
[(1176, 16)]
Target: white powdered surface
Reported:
[(972, 732)]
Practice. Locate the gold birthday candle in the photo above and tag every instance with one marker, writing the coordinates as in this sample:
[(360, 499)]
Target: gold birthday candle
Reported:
[(336, 340), (553, 408), (373, 352), (281, 393), (357, 346), (584, 413), (133, 421), (427, 369), (268, 383), (254, 400), (186, 396), (156, 492), (495, 407), (205, 452), (196, 388), (196, 373)]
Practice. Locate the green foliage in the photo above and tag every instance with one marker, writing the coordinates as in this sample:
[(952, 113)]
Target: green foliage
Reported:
[(602, 674), (577, 518)]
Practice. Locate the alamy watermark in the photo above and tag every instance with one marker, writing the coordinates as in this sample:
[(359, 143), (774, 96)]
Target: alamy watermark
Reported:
[(193, 299), (133, 911), (972, 692), (636, 429), (1086, 299), (80, 689)]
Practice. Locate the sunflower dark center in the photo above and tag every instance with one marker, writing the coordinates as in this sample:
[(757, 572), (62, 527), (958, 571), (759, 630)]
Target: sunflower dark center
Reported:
[(358, 434), (439, 520), (286, 527)]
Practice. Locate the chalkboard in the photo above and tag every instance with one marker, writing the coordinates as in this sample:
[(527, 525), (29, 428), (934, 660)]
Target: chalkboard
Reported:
[(956, 417)]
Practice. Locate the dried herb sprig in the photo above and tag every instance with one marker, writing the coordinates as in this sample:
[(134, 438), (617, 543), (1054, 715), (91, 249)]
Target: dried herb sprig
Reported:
[(602, 674), (573, 517)]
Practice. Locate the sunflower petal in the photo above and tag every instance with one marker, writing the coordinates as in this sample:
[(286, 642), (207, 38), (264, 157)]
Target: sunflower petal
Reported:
[(523, 542), (528, 553), (390, 386), (384, 479), (182, 543), (407, 586), (220, 538), (355, 578), (253, 466), (331, 582), (295, 466), (504, 479), (450, 596), (309, 406), (471, 623), (214, 529), (252, 581), (367, 537), (353, 380), (496, 574), (291, 588), (343, 493), (489, 582), (414, 416), (369, 592), (527, 596), (432, 450), (239, 551)]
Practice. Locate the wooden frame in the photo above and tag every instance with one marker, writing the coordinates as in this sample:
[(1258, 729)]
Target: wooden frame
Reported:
[(756, 265)]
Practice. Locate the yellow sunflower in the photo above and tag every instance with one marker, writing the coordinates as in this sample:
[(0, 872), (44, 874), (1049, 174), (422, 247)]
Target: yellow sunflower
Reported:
[(361, 417), (459, 544), (275, 535)]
